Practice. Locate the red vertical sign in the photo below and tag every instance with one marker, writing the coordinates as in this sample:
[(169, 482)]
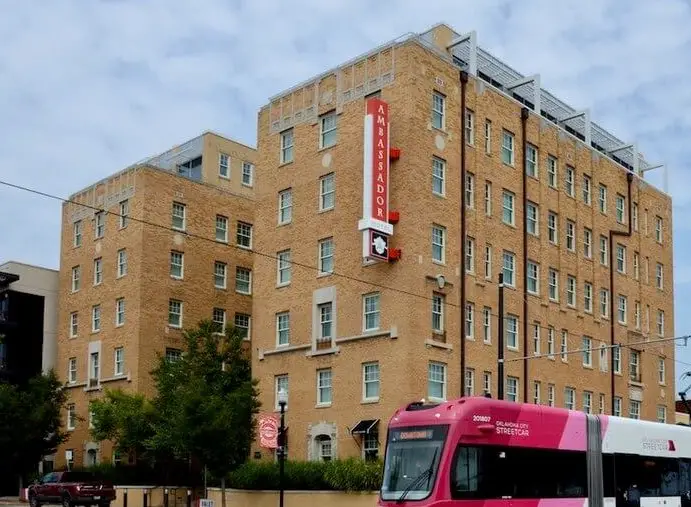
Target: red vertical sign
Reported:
[(380, 158), (268, 431)]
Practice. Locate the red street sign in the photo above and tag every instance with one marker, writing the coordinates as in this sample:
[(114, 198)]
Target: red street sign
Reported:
[(268, 431)]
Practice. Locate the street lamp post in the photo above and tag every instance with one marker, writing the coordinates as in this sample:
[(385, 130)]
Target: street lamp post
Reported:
[(282, 401)]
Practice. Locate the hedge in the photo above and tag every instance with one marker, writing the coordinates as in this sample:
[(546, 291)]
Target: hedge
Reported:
[(341, 475)]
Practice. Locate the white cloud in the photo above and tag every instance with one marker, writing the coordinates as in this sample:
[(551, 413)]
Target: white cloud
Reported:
[(87, 88)]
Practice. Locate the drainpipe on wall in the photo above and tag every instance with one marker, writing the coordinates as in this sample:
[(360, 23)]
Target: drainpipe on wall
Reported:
[(461, 285), (524, 179)]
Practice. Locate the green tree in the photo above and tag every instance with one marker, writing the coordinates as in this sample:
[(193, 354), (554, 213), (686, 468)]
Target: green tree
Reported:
[(31, 422), (206, 401)]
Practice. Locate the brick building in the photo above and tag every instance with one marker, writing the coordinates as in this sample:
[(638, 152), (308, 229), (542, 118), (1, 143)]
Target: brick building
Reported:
[(549, 201), (127, 287)]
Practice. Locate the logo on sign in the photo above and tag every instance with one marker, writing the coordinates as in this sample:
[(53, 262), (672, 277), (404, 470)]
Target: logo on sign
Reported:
[(268, 431), (658, 444), (379, 245)]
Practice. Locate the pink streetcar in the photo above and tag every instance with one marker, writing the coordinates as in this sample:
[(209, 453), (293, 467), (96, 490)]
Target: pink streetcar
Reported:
[(481, 452)]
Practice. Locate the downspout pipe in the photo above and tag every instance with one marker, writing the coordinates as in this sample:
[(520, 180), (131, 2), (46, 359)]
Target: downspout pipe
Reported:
[(612, 234), (525, 113), (461, 286)]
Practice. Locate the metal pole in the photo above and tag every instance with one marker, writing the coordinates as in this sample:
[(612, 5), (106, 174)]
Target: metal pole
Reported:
[(281, 451), (500, 340), (124, 498)]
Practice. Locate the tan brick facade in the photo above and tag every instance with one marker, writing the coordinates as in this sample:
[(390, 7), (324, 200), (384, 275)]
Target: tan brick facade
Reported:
[(147, 284), (404, 343)]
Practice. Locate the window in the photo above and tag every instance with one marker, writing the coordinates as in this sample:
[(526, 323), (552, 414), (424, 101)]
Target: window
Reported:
[(282, 329), (604, 303), (469, 127), (173, 355), (74, 324), (178, 216), (660, 323), (621, 258), (174, 313), (324, 394), (327, 192), (487, 324), (659, 276), (438, 301), (571, 291), (76, 278), (587, 243), (532, 219), (218, 318), (552, 235), (587, 184), (536, 339), (328, 130), (438, 110), (637, 314), (620, 206), (621, 309), (507, 147), (635, 365), (281, 384), (436, 381), (469, 382), (438, 176), (469, 255), (120, 311), (531, 160), (326, 256), (587, 345), (244, 235), (220, 271), (95, 366), (512, 388), (604, 250), (616, 359), (223, 165), (124, 213), (537, 387), (658, 229), (176, 264), (616, 406), (602, 199), (508, 210), (634, 216), (634, 409), (550, 395), (488, 136), (564, 346), (488, 198), (550, 342), (587, 402), (122, 263), (72, 370), (488, 261), (552, 171), (438, 243), (601, 408), (119, 366), (469, 190), (283, 267), (569, 186), (77, 233), (661, 371), (570, 398), (509, 268), (533, 277), (100, 224), (588, 297), (370, 309), (243, 280), (512, 332), (285, 206), (636, 265), (487, 382), (95, 318), (470, 321), (247, 174), (325, 322), (661, 414), (370, 381), (98, 271), (242, 324), (287, 146), (570, 235), (71, 416)]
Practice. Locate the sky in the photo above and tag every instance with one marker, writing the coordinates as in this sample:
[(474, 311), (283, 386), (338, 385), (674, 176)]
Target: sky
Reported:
[(90, 87)]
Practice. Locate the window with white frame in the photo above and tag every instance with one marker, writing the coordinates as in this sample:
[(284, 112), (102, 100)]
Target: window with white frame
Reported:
[(438, 176), (287, 146), (636, 265), (658, 229), (637, 314), (553, 283), (512, 388), (488, 198), (621, 258), (586, 346), (469, 190), (550, 395), (77, 234), (328, 130), (247, 174), (72, 370), (661, 371), (635, 365), (488, 136), (620, 209), (95, 318), (588, 297), (570, 398), (488, 261), (571, 290), (634, 216), (283, 264), (438, 243), (536, 338), (507, 147), (487, 382), (570, 235), (326, 256), (243, 280), (569, 181), (660, 323), (285, 206), (100, 224), (436, 381), (370, 381), (508, 207), (661, 414), (221, 228), (659, 276), (438, 110), (438, 302), (220, 274), (283, 328), (604, 303), (243, 236), (242, 325), (616, 406), (602, 199), (531, 160), (601, 404), (218, 319), (370, 312), (223, 165), (469, 255), (564, 348), (487, 324), (552, 226), (604, 250), (327, 192), (533, 277), (325, 322), (281, 384), (179, 216), (120, 311), (587, 184), (469, 387), (470, 321), (71, 416), (94, 366), (552, 171), (175, 313), (512, 332), (122, 263), (532, 217), (634, 409), (550, 341), (98, 271), (537, 394), (587, 402), (616, 359), (173, 355), (587, 243), (621, 308), (119, 361), (509, 268), (74, 324), (177, 264), (469, 127), (124, 213), (324, 379), (76, 278)]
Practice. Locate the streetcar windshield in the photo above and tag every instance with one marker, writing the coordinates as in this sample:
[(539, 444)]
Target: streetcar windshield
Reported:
[(412, 459)]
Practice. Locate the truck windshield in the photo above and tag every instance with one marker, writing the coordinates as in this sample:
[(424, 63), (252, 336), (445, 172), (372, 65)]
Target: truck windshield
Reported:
[(412, 459)]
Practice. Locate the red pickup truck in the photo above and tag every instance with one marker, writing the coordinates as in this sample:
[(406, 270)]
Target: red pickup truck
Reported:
[(71, 489)]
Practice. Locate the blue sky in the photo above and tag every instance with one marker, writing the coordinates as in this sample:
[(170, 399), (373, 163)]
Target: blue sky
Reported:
[(89, 87)]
